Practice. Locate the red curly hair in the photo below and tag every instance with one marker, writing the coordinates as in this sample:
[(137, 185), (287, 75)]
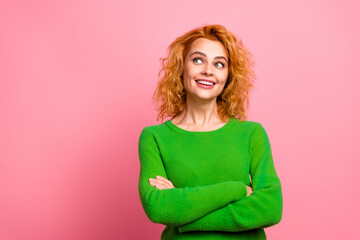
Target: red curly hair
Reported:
[(170, 96)]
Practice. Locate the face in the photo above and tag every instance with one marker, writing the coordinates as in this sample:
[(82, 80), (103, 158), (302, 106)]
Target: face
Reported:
[(205, 69)]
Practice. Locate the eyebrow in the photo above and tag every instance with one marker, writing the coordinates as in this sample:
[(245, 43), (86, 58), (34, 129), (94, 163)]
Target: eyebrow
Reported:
[(201, 53)]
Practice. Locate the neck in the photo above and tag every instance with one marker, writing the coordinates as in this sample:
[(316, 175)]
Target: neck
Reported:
[(199, 112)]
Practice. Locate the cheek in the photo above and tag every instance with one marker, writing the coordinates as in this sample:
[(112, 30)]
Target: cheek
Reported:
[(223, 76), (191, 70), (226, 74)]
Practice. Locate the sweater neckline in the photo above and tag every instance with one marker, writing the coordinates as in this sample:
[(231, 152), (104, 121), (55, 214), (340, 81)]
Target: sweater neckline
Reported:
[(170, 124)]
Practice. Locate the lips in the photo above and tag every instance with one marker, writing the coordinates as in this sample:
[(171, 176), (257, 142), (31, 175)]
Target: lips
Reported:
[(201, 84), (207, 81)]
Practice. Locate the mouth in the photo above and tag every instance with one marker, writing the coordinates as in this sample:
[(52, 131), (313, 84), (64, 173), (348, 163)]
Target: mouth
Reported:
[(205, 82)]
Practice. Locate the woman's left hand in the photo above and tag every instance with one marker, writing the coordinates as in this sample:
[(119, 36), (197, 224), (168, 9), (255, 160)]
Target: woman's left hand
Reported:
[(161, 183)]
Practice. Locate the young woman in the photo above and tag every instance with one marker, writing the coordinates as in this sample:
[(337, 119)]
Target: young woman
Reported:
[(208, 173)]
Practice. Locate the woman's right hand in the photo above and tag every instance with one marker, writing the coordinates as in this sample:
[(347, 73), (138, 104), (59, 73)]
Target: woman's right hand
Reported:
[(161, 183), (249, 190)]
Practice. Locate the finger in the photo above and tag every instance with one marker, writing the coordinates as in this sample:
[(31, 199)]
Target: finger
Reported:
[(157, 183), (159, 186), (167, 184), (167, 181), (163, 181), (163, 184), (152, 181)]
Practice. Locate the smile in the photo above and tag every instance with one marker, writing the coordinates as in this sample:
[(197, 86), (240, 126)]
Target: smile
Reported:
[(208, 83), (205, 84)]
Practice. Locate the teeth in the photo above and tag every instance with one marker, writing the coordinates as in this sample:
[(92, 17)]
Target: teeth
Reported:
[(207, 83)]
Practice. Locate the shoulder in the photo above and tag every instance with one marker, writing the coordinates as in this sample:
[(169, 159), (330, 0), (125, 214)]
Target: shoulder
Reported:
[(252, 129), (250, 125), (154, 129)]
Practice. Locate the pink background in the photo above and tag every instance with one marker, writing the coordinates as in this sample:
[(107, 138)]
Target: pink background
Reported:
[(76, 80)]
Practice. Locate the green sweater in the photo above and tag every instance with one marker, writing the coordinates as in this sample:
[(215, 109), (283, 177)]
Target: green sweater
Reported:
[(210, 171)]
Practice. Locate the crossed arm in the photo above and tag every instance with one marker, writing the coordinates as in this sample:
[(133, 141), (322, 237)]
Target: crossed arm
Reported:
[(178, 206), (225, 206), (163, 183)]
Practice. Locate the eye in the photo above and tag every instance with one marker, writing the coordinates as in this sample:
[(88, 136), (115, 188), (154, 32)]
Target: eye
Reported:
[(197, 60), (219, 65)]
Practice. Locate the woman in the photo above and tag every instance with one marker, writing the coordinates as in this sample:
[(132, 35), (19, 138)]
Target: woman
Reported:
[(195, 167)]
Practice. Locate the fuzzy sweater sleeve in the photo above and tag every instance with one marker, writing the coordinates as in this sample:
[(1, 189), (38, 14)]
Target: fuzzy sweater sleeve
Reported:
[(263, 208), (178, 206)]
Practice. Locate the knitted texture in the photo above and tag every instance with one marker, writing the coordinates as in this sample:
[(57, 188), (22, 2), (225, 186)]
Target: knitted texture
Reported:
[(210, 171)]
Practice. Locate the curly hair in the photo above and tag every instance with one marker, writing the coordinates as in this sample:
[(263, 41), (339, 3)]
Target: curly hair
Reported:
[(170, 96)]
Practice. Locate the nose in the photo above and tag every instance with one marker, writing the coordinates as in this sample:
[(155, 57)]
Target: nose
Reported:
[(207, 70)]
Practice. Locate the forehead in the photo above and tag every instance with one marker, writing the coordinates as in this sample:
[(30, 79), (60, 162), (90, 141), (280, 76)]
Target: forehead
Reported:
[(210, 47)]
